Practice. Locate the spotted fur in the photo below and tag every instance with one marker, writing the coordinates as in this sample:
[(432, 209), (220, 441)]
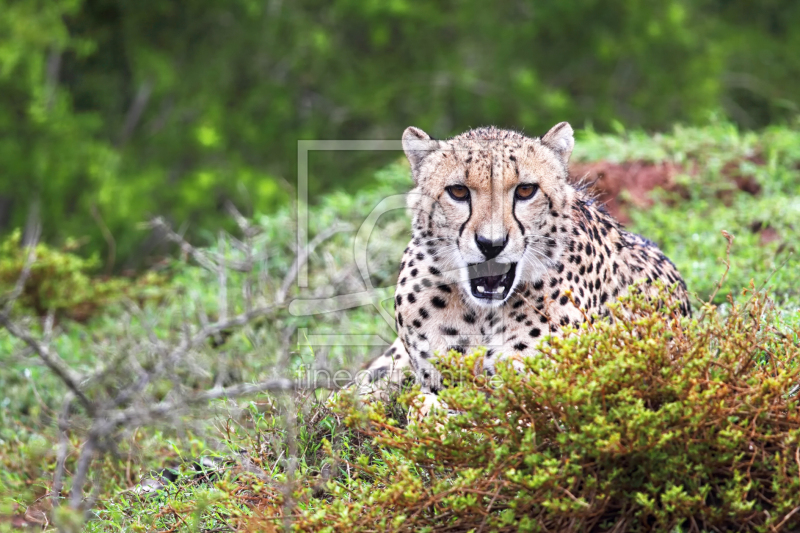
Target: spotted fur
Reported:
[(571, 257)]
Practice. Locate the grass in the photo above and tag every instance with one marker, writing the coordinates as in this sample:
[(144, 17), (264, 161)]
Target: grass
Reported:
[(342, 470)]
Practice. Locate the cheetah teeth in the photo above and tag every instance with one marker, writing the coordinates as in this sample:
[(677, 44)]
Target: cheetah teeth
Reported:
[(495, 282)]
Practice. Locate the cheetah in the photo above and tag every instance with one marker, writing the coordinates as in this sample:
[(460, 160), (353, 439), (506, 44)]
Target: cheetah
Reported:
[(506, 251)]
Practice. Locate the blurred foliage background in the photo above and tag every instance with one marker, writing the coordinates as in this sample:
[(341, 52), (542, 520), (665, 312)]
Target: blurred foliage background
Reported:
[(113, 111)]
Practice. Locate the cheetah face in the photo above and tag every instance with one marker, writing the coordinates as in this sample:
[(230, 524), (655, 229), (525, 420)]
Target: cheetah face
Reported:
[(492, 205)]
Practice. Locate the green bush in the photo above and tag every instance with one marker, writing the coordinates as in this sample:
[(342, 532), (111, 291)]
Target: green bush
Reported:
[(638, 424), (60, 281)]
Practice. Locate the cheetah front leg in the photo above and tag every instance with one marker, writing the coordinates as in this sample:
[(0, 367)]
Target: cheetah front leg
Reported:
[(389, 372), (386, 373)]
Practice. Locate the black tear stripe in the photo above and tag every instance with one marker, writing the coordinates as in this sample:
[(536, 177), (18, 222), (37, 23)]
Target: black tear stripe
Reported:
[(464, 225), (514, 204), (469, 204), (514, 214)]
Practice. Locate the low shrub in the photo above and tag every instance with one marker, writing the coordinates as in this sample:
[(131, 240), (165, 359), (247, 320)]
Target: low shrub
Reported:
[(642, 424), (62, 282)]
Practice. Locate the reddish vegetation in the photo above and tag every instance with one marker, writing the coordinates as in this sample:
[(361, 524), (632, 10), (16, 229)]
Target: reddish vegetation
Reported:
[(766, 234), (743, 181), (607, 180), (637, 178)]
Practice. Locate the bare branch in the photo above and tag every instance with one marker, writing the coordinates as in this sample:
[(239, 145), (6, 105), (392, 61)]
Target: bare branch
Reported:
[(135, 112), (63, 450), (52, 74), (726, 262), (244, 225), (189, 342), (19, 286), (209, 261), (302, 257), (81, 472), (140, 414), (51, 359), (123, 387), (222, 281)]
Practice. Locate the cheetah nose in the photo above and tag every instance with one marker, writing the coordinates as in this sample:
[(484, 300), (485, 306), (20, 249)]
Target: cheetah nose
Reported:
[(490, 248)]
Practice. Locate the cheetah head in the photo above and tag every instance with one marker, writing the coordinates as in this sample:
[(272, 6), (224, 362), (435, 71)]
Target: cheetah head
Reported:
[(492, 205)]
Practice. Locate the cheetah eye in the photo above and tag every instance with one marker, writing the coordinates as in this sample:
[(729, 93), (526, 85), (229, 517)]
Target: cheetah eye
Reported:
[(458, 192), (526, 191)]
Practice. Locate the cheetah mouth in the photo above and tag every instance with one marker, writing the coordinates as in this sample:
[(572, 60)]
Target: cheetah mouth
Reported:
[(492, 280)]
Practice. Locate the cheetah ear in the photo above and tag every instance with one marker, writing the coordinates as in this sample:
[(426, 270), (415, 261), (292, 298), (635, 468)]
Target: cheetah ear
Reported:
[(560, 140), (417, 145)]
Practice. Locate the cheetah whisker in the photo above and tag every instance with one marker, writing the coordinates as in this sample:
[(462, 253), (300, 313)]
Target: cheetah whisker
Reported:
[(529, 258), (539, 252)]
